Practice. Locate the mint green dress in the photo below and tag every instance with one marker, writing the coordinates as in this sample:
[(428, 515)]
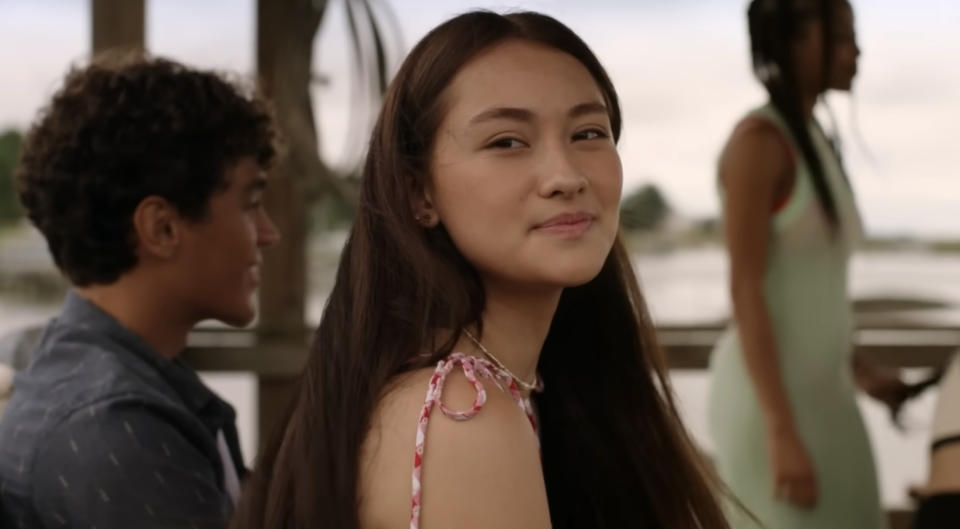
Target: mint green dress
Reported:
[(806, 293)]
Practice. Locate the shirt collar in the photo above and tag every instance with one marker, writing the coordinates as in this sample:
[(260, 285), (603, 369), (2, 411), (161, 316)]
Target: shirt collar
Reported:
[(77, 311)]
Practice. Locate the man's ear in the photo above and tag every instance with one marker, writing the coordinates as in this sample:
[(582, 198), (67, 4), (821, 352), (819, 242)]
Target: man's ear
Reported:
[(156, 224), (424, 211)]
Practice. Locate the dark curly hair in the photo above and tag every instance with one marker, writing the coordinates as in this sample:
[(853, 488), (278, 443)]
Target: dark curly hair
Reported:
[(122, 129)]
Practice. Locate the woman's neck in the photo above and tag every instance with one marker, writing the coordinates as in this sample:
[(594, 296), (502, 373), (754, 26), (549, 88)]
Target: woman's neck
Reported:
[(515, 325), (808, 102)]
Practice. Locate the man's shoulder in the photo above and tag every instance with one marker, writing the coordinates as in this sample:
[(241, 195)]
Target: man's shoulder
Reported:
[(75, 381), (54, 400), (124, 451), (82, 429), (120, 421), (70, 370)]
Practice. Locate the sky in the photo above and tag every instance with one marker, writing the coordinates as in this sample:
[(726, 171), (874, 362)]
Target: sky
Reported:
[(681, 68)]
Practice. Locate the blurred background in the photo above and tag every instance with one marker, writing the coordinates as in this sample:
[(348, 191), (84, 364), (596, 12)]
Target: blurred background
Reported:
[(682, 71)]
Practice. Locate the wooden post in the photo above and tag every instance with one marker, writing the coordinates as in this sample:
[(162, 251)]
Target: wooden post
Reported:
[(285, 34), (117, 24)]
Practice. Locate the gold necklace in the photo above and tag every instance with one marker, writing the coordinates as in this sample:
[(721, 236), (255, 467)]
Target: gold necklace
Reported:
[(524, 385)]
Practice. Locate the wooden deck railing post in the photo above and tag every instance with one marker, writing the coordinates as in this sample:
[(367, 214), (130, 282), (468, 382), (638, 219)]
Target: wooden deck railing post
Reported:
[(285, 35), (117, 25)]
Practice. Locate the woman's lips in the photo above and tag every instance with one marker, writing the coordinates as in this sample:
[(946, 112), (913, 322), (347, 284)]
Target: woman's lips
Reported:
[(567, 224)]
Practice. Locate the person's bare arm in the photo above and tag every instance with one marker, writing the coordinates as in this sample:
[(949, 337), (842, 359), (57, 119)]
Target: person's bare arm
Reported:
[(751, 169), (755, 166)]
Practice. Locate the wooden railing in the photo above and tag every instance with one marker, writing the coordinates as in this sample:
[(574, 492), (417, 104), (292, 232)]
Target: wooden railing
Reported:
[(913, 346), (277, 363), (685, 347)]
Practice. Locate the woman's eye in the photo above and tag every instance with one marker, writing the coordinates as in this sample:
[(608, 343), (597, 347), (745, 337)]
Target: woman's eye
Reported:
[(590, 134), (506, 143)]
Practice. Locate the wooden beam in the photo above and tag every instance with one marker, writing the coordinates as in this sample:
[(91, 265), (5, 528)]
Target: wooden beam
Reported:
[(919, 346), (117, 25), (696, 356), (285, 34), (274, 361), (286, 359)]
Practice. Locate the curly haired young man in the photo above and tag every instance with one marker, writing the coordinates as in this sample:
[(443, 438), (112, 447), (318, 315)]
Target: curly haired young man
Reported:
[(145, 177)]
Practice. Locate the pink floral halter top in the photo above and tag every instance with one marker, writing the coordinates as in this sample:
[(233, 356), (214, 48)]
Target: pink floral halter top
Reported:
[(474, 368)]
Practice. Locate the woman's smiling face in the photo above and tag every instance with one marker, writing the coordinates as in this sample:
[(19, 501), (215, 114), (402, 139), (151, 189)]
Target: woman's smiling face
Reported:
[(525, 175)]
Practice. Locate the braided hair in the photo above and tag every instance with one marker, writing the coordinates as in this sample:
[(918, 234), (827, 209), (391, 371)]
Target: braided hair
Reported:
[(774, 24)]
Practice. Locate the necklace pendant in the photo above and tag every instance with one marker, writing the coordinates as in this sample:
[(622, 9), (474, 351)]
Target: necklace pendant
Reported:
[(535, 386)]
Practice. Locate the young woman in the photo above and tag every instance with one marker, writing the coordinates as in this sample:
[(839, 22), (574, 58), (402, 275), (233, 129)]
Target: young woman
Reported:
[(484, 271), (790, 441)]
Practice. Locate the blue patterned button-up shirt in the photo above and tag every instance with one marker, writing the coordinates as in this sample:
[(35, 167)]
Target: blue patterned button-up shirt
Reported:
[(103, 432)]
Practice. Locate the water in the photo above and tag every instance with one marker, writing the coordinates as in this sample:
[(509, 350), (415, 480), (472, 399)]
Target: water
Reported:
[(689, 287)]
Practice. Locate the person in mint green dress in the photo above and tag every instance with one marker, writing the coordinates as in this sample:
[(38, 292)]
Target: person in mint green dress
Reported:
[(790, 441)]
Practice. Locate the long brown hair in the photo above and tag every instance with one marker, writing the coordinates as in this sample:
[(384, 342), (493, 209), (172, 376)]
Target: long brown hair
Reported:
[(614, 451)]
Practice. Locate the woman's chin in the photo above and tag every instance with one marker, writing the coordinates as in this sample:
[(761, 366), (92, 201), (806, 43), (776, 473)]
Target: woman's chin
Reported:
[(575, 276)]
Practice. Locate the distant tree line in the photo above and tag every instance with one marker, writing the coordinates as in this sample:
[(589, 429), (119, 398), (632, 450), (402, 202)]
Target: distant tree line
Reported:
[(644, 209), (10, 210)]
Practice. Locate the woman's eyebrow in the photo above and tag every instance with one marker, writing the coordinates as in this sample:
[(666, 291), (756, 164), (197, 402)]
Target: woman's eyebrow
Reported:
[(593, 107), (511, 113), (527, 115)]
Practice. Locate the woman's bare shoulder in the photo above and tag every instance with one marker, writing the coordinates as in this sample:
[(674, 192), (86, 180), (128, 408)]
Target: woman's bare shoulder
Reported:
[(756, 148), (386, 457), (490, 459), (493, 458)]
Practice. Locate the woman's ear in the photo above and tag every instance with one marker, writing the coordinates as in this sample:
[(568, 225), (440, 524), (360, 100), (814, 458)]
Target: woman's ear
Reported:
[(423, 209), (155, 223)]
